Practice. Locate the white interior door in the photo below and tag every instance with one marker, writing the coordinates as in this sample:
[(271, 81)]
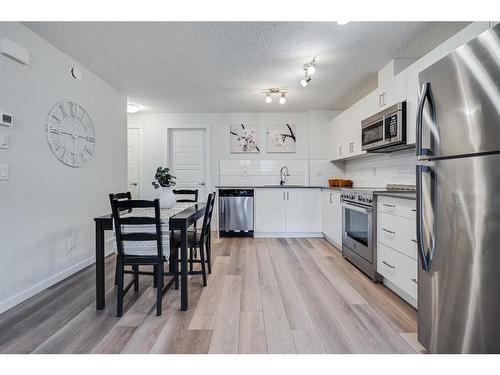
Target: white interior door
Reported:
[(187, 160), (134, 140)]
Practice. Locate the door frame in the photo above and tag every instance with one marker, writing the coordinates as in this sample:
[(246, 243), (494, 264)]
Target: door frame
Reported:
[(166, 139), (140, 127)]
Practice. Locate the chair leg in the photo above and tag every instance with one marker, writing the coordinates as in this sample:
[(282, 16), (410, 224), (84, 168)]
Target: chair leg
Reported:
[(155, 280), (119, 292), (203, 269), (116, 269), (136, 277), (191, 255), (209, 255), (175, 268), (159, 287)]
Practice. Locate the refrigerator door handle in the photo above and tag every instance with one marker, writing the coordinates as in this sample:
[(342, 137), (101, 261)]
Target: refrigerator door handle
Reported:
[(425, 95), (425, 256)]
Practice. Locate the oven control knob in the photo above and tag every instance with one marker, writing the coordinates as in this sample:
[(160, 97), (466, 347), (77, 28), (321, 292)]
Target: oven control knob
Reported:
[(369, 200)]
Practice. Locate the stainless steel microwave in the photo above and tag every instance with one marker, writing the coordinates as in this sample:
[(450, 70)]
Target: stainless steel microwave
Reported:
[(386, 130)]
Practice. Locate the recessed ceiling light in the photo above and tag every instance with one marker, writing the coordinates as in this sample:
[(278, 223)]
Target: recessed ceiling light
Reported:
[(282, 99), (311, 70), (268, 98), (133, 108), (342, 22)]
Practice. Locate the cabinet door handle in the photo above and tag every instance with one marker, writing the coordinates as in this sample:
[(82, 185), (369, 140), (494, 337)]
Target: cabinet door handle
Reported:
[(330, 198), (380, 100), (388, 265), (414, 240), (388, 231), (283, 195), (388, 205), (415, 281), (383, 99), (413, 210)]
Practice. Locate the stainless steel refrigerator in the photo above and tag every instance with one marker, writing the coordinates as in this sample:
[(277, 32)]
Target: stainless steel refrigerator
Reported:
[(458, 200)]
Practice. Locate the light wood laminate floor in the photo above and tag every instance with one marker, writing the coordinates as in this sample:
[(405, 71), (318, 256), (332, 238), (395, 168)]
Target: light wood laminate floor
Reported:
[(264, 296)]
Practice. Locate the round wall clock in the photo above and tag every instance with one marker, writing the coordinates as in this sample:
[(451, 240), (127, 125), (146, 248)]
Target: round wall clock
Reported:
[(71, 134)]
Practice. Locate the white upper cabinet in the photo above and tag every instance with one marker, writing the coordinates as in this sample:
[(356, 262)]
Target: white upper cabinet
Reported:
[(388, 93), (463, 36), (346, 129), (413, 91)]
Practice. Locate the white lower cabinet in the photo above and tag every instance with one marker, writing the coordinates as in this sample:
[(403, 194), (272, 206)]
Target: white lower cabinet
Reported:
[(287, 212), (397, 258), (331, 216)]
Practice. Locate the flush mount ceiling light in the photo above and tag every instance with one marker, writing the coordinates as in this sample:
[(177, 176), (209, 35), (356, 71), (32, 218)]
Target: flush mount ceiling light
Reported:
[(275, 91), (309, 70), (133, 108)]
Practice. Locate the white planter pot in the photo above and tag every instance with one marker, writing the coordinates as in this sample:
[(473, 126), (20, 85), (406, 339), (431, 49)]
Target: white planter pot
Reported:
[(167, 197)]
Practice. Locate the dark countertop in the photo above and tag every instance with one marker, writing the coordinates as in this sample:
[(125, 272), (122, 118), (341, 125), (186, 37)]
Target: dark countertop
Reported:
[(397, 194), (275, 187)]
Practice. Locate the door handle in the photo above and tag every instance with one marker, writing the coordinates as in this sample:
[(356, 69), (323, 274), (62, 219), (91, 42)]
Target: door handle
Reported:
[(412, 240), (388, 265), (425, 256), (201, 184), (133, 184), (414, 280), (388, 205), (426, 94), (388, 231)]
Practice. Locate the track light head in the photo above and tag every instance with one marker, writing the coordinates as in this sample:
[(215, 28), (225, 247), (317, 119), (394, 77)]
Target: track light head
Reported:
[(305, 81), (268, 98), (282, 99)]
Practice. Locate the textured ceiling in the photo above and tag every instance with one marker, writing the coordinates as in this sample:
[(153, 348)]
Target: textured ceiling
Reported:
[(222, 66)]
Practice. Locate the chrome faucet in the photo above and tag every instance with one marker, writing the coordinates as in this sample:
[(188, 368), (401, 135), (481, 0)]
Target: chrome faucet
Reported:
[(283, 175)]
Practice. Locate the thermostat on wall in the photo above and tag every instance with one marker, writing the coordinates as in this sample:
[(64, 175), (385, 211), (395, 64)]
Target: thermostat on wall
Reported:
[(6, 119)]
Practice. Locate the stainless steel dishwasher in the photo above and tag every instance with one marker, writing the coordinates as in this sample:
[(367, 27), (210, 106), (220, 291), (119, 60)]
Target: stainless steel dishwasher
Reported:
[(236, 212)]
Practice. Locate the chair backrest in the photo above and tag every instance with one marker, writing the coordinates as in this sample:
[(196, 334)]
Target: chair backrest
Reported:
[(205, 230), (137, 225), (193, 192), (120, 196)]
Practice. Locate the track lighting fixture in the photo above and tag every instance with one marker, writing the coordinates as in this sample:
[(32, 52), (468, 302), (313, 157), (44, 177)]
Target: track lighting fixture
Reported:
[(275, 91), (309, 70)]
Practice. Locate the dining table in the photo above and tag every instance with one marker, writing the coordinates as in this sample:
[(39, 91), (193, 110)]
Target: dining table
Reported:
[(180, 218)]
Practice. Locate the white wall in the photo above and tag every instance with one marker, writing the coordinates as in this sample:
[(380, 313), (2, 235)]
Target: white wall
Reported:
[(44, 201), (310, 128)]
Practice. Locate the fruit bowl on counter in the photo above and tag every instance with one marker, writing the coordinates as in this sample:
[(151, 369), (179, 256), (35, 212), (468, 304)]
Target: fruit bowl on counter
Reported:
[(339, 183)]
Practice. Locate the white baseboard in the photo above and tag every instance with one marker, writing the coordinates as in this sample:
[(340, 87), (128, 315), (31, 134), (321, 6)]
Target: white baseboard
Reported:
[(412, 301), (334, 243), (286, 234), (44, 284)]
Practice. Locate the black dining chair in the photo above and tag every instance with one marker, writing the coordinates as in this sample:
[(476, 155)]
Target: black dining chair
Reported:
[(184, 192), (119, 196), (200, 241), (188, 195), (140, 242)]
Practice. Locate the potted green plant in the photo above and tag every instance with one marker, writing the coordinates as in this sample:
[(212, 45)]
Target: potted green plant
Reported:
[(164, 181)]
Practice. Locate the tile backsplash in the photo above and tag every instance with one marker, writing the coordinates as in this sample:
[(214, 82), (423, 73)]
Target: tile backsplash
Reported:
[(382, 169)]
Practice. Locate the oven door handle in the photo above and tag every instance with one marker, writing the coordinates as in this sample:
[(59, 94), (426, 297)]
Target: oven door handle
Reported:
[(357, 208)]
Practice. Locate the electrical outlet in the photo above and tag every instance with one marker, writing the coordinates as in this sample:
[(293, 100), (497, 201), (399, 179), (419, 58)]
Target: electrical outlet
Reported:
[(71, 242)]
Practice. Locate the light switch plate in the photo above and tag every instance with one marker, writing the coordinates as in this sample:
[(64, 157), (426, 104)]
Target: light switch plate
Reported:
[(4, 141), (4, 172)]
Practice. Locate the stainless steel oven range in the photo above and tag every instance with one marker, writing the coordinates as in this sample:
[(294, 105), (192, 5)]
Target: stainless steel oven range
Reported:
[(358, 227)]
